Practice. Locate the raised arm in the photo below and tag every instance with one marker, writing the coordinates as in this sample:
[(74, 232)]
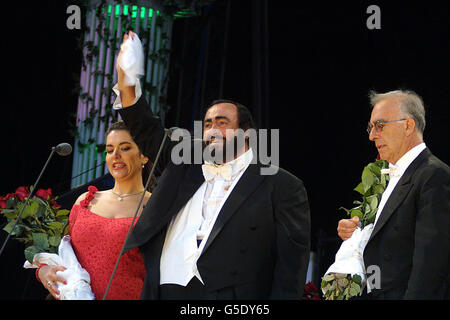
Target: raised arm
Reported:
[(146, 128)]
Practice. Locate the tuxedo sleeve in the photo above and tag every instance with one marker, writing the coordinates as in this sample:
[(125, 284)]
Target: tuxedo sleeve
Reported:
[(430, 269), (292, 220), (147, 131)]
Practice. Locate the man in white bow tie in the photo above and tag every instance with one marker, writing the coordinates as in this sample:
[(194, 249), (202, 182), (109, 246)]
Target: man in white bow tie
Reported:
[(411, 237), (217, 230)]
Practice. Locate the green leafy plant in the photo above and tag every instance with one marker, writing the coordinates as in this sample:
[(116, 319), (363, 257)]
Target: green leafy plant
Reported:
[(341, 286), (371, 187), (42, 224)]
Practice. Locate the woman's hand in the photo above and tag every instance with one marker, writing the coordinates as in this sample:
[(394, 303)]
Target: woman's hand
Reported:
[(49, 278)]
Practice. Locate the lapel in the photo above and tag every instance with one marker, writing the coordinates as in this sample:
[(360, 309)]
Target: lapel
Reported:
[(156, 217), (248, 182), (400, 191), (189, 184)]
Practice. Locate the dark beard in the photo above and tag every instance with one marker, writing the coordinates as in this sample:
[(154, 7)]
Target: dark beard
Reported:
[(219, 156)]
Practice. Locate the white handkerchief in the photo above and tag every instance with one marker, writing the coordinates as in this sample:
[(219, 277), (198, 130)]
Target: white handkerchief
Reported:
[(78, 280), (132, 60)]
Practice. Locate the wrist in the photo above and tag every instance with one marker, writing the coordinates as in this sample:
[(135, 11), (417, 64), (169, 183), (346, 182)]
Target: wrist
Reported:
[(38, 269), (127, 95)]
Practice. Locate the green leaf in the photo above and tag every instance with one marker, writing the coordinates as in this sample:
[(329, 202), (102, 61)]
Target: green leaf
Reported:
[(9, 227), (10, 203), (360, 188), (10, 213), (373, 202), (367, 179), (370, 218), (374, 168), (343, 283), (30, 209), (66, 229), (346, 210), (378, 189), (356, 212), (354, 289), (56, 226), (357, 279), (326, 288), (54, 240), (41, 240), (328, 277), (40, 213), (30, 252), (62, 212)]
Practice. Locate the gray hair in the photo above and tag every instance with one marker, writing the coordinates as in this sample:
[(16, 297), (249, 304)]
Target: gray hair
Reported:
[(411, 104)]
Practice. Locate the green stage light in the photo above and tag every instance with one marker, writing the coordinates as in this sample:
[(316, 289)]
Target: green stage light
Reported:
[(134, 10)]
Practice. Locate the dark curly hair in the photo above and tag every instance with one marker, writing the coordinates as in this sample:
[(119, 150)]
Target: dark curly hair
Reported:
[(120, 125)]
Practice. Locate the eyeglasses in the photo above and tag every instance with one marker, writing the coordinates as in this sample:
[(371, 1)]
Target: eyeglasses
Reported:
[(379, 125)]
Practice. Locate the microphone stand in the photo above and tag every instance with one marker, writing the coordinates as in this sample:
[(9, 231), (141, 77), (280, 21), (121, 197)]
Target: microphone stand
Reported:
[(166, 133), (26, 201)]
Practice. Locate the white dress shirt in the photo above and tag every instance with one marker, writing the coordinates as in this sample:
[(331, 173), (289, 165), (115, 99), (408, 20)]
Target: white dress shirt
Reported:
[(399, 168), (194, 223), (196, 219)]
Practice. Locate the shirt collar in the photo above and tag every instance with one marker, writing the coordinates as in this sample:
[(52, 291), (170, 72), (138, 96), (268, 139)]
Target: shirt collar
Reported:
[(240, 162), (404, 162)]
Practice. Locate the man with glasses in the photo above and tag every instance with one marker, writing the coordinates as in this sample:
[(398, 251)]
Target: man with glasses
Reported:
[(410, 242)]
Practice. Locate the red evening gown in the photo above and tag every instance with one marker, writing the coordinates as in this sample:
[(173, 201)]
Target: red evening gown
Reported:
[(97, 242)]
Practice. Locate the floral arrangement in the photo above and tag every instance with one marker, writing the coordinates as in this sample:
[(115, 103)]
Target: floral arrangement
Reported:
[(311, 292), (372, 185), (342, 286), (42, 224)]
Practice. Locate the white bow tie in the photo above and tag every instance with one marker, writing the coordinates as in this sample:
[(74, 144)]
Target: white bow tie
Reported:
[(211, 171), (393, 171)]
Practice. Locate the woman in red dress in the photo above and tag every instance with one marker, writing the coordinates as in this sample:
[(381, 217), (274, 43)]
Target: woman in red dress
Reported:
[(99, 222)]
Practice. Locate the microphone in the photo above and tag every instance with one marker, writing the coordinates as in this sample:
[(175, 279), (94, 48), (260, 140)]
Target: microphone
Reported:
[(167, 133), (63, 149)]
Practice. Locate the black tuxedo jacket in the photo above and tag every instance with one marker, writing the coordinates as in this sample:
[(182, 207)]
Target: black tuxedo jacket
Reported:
[(259, 245), (411, 239)]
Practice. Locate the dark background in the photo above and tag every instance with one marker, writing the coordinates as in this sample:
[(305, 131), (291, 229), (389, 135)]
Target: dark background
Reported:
[(320, 63)]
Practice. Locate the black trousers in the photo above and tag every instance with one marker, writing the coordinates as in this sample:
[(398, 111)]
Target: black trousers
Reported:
[(194, 290)]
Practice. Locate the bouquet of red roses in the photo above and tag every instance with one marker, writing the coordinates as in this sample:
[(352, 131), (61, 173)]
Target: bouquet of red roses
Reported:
[(42, 224)]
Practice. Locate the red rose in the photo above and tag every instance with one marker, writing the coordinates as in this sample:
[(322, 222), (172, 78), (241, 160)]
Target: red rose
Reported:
[(9, 196), (44, 194), (2, 204), (54, 205), (310, 287), (89, 196), (22, 193)]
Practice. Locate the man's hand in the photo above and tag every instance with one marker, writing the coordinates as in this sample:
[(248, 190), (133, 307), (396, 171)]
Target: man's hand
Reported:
[(127, 93), (346, 227)]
